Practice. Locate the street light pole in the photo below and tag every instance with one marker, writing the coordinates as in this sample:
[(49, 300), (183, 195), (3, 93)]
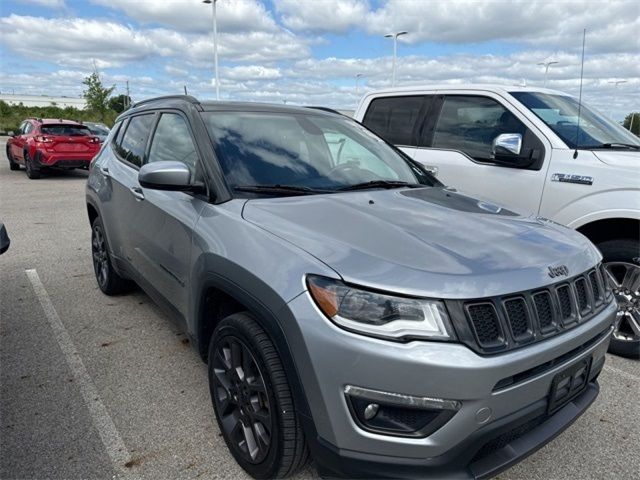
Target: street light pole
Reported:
[(394, 36), (546, 70), (358, 76), (215, 45), (615, 94)]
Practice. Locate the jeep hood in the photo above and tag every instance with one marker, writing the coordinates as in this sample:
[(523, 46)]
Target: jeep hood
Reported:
[(431, 242)]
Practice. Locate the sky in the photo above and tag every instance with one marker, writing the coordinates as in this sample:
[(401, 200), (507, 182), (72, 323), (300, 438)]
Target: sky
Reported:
[(309, 52)]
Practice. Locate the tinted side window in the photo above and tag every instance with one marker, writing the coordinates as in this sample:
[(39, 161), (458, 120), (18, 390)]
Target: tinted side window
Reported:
[(470, 124), (172, 142), (134, 140), (394, 118)]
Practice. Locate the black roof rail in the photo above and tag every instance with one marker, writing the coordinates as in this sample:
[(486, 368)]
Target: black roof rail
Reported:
[(324, 109), (186, 98)]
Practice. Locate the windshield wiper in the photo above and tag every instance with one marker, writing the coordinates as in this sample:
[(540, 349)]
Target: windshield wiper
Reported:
[(619, 145), (281, 189), (381, 184)]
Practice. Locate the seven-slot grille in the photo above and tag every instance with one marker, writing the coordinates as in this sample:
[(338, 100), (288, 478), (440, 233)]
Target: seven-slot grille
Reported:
[(502, 323)]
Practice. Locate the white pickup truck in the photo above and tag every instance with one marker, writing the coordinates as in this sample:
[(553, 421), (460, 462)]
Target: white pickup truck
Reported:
[(526, 148)]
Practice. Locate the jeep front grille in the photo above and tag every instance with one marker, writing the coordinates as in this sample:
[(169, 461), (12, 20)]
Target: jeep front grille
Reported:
[(502, 323)]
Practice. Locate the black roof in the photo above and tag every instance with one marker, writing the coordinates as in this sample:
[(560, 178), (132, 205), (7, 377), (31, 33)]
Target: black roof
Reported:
[(212, 105)]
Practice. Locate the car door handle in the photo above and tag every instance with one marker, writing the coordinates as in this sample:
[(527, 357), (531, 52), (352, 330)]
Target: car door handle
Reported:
[(104, 171), (137, 192)]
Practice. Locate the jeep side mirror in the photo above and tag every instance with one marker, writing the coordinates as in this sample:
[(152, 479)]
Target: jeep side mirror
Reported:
[(507, 143), (165, 175)]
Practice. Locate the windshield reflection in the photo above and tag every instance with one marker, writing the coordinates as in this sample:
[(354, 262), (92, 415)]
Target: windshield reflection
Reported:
[(314, 151), (560, 113)]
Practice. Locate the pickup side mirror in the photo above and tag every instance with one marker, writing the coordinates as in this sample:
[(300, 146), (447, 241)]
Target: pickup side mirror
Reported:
[(165, 175), (11, 133), (506, 150), (507, 143)]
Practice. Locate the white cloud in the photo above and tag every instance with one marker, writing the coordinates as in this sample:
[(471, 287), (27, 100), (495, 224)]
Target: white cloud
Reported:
[(322, 16), (250, 73), (611, 26), (194, 16), (78, 42)]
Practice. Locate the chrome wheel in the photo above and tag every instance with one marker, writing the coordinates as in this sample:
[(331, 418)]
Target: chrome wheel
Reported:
[(624, 279), (100, 256), (241, 398)]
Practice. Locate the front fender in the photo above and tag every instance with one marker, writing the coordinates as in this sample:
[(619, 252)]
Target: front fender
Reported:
[(620, 203)]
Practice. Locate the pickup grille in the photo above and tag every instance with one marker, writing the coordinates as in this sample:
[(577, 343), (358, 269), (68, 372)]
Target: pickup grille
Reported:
[(502, 323)]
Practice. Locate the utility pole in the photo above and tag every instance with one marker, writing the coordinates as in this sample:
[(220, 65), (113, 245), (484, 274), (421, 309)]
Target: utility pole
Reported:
[(127, 100), (358, 76), (546, 70), (394, 36), (215, 45), (185, 90), (615, 94)]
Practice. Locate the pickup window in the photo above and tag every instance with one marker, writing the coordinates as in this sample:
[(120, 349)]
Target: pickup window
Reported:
[(471, 123), (394, 118)]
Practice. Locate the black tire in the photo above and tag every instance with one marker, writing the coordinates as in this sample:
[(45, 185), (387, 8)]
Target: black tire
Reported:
[(108, 279), (262, 400), (620, 256), (32, 172), (12, 164)]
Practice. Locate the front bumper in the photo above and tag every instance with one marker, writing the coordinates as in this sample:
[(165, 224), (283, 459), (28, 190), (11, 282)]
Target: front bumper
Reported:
[(329, 358)]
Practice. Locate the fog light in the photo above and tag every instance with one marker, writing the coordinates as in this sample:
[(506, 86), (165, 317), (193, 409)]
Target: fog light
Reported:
[(371, 410), (397, 414)]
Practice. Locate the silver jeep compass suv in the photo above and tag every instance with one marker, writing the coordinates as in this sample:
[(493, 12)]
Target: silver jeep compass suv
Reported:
[(349, 306)]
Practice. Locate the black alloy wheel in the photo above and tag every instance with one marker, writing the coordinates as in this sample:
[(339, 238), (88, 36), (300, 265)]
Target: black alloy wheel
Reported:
[(108, 279), (241, 399), (100, 256), (252, 399)]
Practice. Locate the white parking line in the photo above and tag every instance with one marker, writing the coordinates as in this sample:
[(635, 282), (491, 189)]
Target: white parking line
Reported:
[(109, 435), (622, 373)]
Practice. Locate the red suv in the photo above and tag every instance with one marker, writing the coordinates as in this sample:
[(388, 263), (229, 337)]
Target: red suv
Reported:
[(44, 143)]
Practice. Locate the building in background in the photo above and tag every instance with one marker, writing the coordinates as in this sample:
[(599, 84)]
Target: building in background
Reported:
[(43, 100)]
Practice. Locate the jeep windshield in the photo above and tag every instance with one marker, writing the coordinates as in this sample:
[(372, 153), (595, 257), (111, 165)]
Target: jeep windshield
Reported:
[(272, 153), (560, 113)]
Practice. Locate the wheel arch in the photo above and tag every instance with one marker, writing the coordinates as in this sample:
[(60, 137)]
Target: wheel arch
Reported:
[(611, 228), (220, 297)]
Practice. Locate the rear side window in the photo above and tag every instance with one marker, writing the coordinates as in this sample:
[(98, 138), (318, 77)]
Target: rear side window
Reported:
[(65, 130), (471, 123), (394, 118), (134, 141), (172, 142)]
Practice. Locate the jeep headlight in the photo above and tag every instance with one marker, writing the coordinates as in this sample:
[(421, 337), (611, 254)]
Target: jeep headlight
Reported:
[(380, 314)]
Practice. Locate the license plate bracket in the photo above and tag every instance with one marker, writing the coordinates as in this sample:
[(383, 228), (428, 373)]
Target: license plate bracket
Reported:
[(569, 383)]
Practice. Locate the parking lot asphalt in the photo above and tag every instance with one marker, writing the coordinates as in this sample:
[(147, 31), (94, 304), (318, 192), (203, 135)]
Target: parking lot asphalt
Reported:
[(107, 387)]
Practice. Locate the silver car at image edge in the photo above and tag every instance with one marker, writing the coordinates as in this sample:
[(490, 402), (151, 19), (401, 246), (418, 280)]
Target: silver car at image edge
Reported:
[(350, 307)]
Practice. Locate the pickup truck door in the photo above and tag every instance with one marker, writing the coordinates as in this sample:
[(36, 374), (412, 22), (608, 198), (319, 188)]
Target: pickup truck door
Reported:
[(456, 139)]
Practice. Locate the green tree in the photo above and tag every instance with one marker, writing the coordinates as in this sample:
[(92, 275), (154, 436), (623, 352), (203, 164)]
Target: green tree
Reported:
[(119, 103), (632, 123), (97, 95)]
